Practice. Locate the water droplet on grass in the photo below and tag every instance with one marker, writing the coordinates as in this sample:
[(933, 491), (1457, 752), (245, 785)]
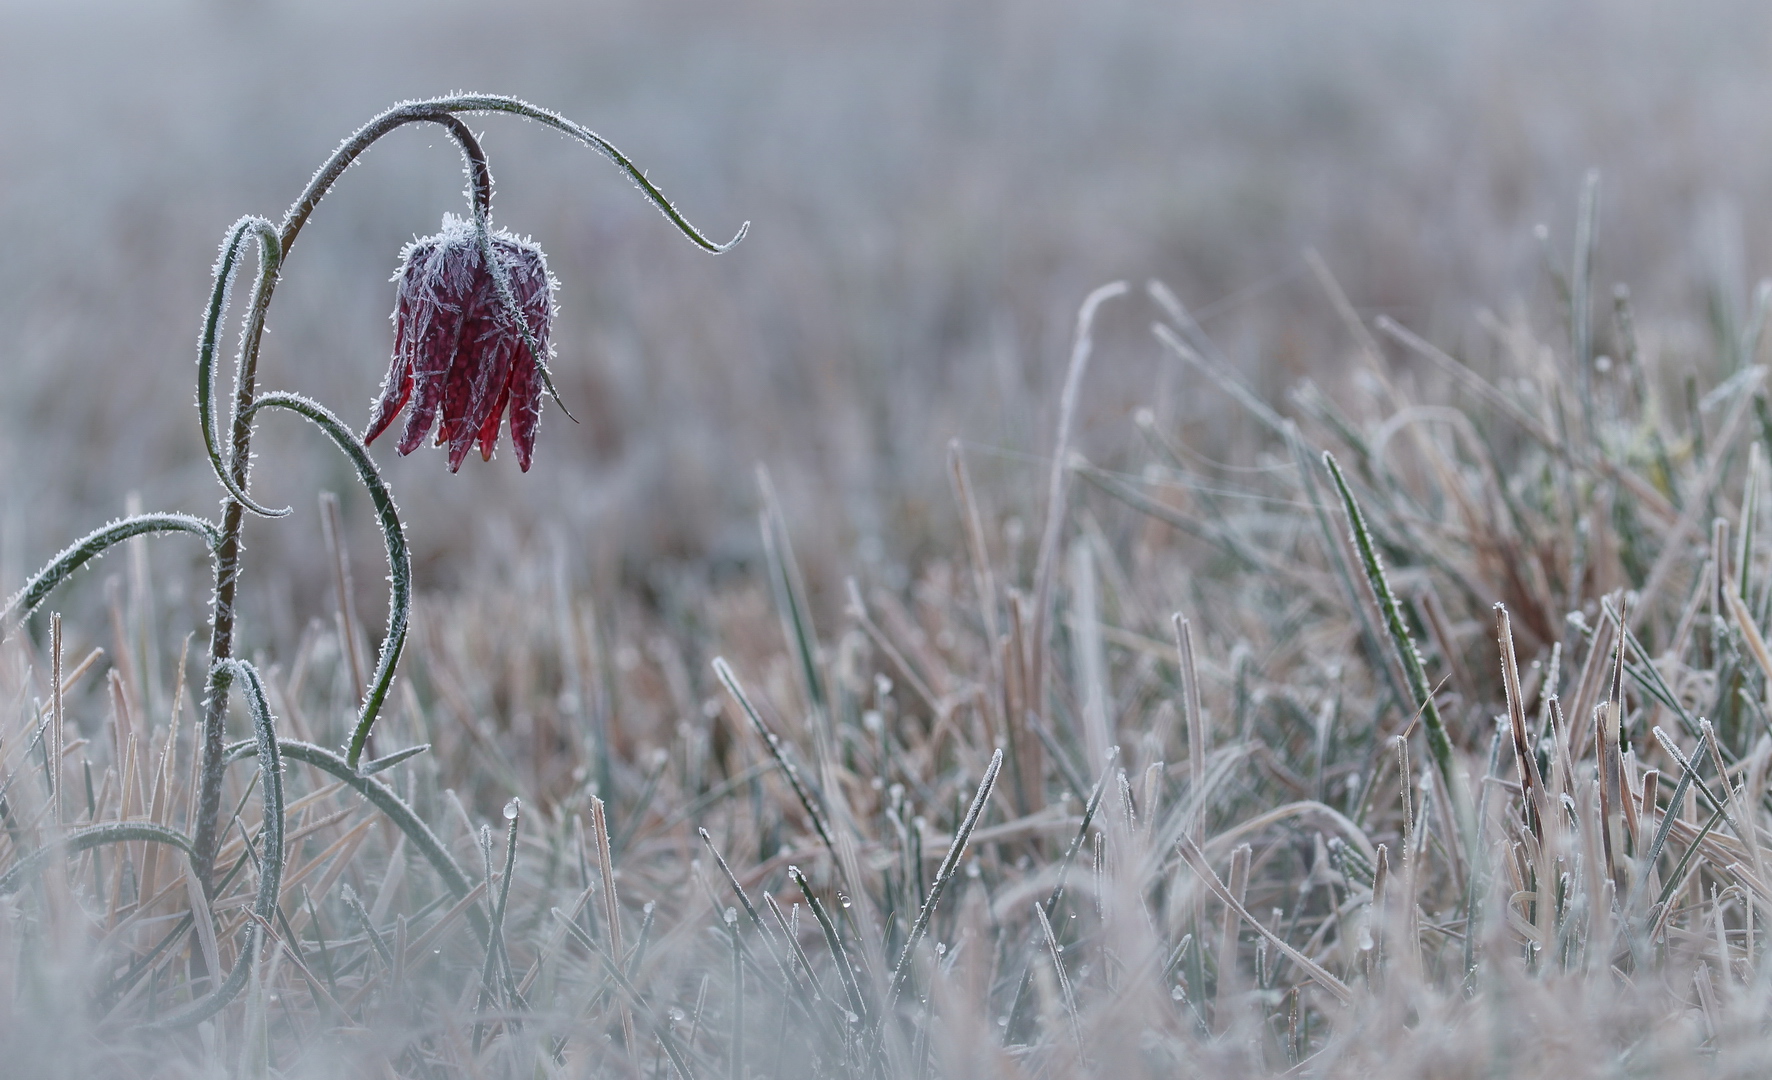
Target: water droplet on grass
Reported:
[(513, 808)]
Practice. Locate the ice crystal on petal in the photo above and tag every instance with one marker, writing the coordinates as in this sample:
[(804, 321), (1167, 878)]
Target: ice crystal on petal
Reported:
[(457, 353)]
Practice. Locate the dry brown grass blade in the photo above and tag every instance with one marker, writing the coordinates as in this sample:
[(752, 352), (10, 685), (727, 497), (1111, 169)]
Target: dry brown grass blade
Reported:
[(1230, 980), (1287, 811), (1057, 491), (341, 852), (58, 718), (1026, 766), (1750, 633), (858, 610), (415, 951), (1671, 551), (1482, 388), (612, 914), (205, 926), (1525, 754), (1318, 974)]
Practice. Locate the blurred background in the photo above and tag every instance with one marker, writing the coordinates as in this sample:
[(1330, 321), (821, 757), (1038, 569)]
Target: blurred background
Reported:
[(933, 187)]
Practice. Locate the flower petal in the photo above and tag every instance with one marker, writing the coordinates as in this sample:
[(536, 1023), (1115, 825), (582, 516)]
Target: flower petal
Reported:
[(432, 359), (396, 386), (395, 389), (525, 407), (461, 385), (489, 429)]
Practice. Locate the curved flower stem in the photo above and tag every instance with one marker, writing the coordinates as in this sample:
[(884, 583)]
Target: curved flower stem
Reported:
[(478, 169), (399, 557), (443, 111), (434, 109)]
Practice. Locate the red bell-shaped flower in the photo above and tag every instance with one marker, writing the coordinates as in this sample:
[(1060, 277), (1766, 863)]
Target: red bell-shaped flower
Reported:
[(456, 348)]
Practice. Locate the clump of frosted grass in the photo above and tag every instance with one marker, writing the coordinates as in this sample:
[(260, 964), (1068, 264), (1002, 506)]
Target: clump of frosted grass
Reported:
[(1439, 749)]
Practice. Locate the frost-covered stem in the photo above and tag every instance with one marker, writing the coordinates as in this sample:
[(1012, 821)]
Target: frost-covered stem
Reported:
[(227, 579), (440, 110)]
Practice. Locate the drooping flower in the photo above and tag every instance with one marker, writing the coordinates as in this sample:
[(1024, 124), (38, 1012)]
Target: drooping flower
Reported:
[(457, 351)]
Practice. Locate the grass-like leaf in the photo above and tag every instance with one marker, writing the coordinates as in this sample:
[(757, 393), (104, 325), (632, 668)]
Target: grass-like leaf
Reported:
[(1422, 696), (96, 543), (384, 799), (83, 839), (270, 258), (813, 806), (270, 868), (399, 556), (949, 864)]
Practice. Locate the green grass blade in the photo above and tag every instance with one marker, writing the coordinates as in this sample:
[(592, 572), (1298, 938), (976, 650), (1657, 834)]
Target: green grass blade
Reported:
[(813, 806), (834, 939), (270, 876), (1421, 693), (949, 864)]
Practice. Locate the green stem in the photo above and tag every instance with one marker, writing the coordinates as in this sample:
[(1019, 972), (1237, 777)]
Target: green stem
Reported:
[(270, 257), (227, 573)]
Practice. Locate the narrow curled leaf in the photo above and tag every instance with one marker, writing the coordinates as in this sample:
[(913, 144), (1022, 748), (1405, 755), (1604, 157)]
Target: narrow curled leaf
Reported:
[(270, 259), (94, 544), (384, 799), (111, 832), (388, 761), (399, 557), (270, 863)]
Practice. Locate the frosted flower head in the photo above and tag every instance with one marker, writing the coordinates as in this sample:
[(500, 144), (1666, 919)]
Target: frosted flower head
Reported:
[(457, 352)]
